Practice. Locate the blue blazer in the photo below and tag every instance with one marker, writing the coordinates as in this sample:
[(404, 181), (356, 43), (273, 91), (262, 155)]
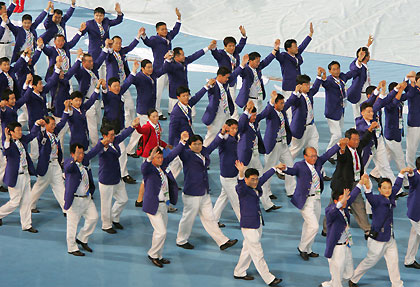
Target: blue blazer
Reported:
[(393, 112), (354, 93), (13, 158), (51, 27), (27, 69), (112, 64), (273, 127), (228, 155), (361, 127), (153, 182), (146, 91), (249, 201), (4, 84), (248, 79), (413, 97), (413, 200), (73, 177), (304, 176), (290, 68), (83, 77), (336, 224)]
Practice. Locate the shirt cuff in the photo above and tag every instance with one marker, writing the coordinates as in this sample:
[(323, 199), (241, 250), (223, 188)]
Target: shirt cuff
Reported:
[(46, 10), (137, 38), (133, 73), (205, 49), (148, 160), (370, 189), (358, 64), (178, 21), (105, 49), (382, 96), (104, 90), (206, 87), (400, 175), (339, 205), (181, 142), (376, 92), (244, 37), (96, 90), (247, 113), (3, 24), (319, 78), (222, 136), (6, 144), (80, 33), (143, 36), (241, 178)]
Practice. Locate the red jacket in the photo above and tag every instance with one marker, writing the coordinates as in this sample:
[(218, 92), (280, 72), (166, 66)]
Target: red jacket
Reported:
[(150, 138)]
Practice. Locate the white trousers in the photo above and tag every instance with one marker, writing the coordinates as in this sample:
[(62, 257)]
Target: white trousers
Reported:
[(111, 213), (135, 136), (64, 130), (34, 151), (310, 138), (202, 206), (395, 152), (3, 163), (6, 50), (93, 118), (123, 159), (20, 196), (341, 266), (23, 117), (129, 109), (412, 141), (80, 207), (413, 243), (232, 91), (53, 178), (286, 95), (311, 213), (159, 222), (252, 251), (356, 106), (176, 166), (377, 250), (161, 83), (280, 153), (227, 194), (336, 131), (214, 128)]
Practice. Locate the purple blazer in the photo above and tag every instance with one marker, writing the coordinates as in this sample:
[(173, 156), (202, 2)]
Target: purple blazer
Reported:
[(383, 211), (248, 80), (4, 84), (13, 158), (27, 69), (413, 97), (361, 127), (160, 46), (84, 78), (300, 110), (96, 41), (153, 182), (228, 155), (73, 177), (215, 98), (178, 72), (51, 27), (413, 200), (109, 165), (355, 91), (112, 64), (304, 176), (249, 201), (393, 113), (179, 122), (44, 146), (290, 66), (273, 127)]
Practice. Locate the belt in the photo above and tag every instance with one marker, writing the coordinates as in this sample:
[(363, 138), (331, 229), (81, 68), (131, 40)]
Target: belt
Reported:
[(311, 123), (279, 141), (342, 243), (82, 196), (23, 172), (5, 43), (309, 195), (253, 98), (52, 160), (162, 201)]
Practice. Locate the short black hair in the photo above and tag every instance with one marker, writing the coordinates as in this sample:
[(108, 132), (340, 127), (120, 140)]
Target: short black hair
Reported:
[(99, 10), (76, 94), (382, 180), (289, 43), (106, 128), (370, 89), (26, 17), (36, 79), (335, 194), (278, 98), (194, 138), (417, 76), (47, 119), (177, 51), (254, 55), (231, 122), (151, 111), (229, 40), (58, 11), (182, 90), (351, 132), (158, 150), (113, 80), (2, 4), (251, 171), (223, 71), (6, 94), (306, 148), (74, 146), (418, 163), (4, 59), (254, 109), (365, 49), (303, 79), (391, 86), (365, 105), (332, 64), (86, 55), (59, 36), (158, 24), (12, 125), (116, 37), (145, 62)]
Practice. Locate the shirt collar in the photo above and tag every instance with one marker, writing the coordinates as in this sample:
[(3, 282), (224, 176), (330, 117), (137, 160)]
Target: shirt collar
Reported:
[(152, 124)]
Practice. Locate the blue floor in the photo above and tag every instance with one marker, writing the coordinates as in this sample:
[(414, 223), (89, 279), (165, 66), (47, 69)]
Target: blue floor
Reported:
[(120, 260)]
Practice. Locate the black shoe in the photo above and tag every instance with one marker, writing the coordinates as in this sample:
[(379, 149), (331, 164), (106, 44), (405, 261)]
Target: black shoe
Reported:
[(366, 236), (117, 225), (275, 282), (273, 197), (313, 255), (35, 210), (84, 245), (401, 194), (139, 204), (1, 222), (370, 216), (304, 255), (165, 261), (77, 253), (110, 230), (133, 155), (323, 233), (162, 118), (31, 230), (332, 161), (326, 178), (3, 189), (64, 214), (406, 187), (351, 284), (128, 179), (172, 209), (290, 196), (274, 207), (280, 175), (221, 225), (228, 244), (186, 245), (377, 181), (156, 262), (246, 277), (415, 265)]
